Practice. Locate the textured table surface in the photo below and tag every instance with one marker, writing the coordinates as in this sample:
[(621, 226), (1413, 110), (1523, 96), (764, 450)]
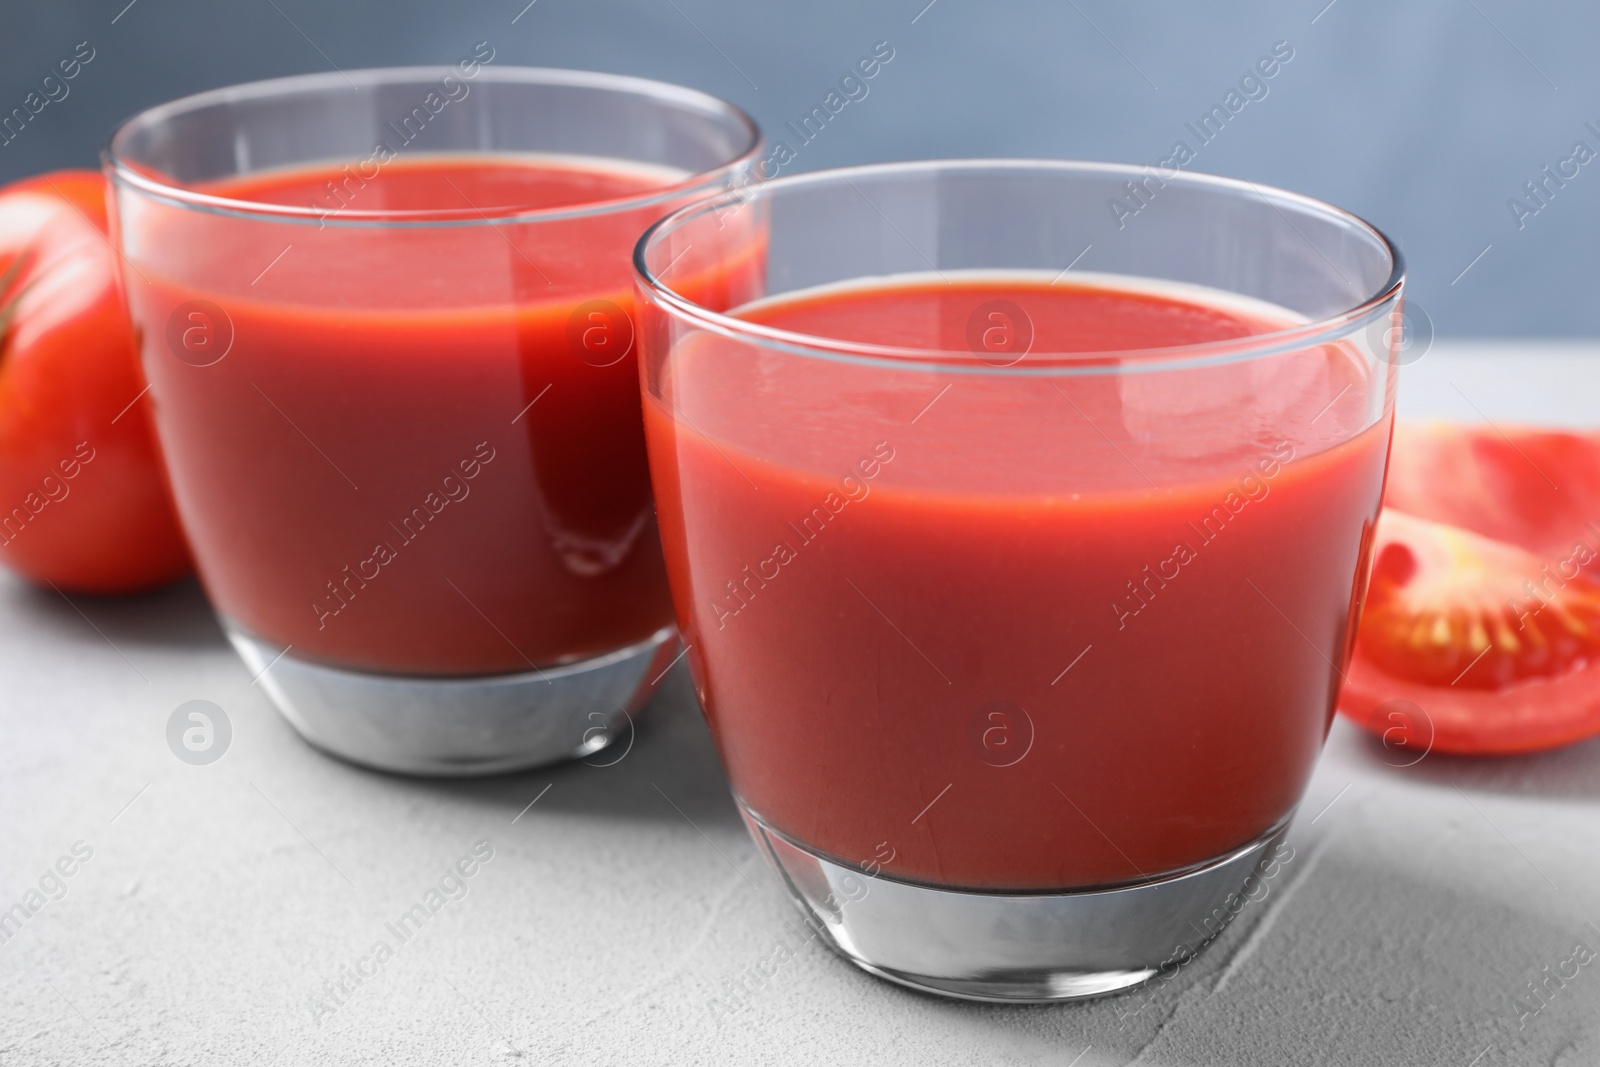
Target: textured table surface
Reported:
[(622, 918)]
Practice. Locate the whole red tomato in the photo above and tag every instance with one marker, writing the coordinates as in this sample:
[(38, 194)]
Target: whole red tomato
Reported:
[(84, 503)]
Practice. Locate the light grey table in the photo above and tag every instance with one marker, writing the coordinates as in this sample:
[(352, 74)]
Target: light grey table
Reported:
[(624, 918)]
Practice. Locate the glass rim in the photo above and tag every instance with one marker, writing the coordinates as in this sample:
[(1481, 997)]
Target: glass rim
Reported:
[(122, 171), (959, 361)]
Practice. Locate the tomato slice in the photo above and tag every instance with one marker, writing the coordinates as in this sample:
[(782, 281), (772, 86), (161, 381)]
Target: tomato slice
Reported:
[(1481, 629), (1537, 489)]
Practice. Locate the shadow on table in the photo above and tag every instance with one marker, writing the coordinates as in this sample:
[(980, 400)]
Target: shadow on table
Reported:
[(667, 772), (177, 615), (1572, 772), (669, 761)]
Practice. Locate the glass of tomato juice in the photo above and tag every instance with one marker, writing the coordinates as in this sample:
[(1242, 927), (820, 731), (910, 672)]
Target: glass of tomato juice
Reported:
[(1017, 529), (386, 320)]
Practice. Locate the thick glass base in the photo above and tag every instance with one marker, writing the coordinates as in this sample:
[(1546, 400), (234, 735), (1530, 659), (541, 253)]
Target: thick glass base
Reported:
[(487, 724), (1013, 947)]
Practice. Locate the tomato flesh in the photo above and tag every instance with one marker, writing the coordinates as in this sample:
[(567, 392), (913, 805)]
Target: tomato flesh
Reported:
[(1450, 607)]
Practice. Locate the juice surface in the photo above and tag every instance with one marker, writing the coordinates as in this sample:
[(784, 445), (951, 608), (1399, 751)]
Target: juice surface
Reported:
[(1016, 632), (420, 450), (485, 183)]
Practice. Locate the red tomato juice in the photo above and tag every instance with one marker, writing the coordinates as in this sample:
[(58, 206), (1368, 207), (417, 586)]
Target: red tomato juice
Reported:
[(407, 448), (1009, 632)]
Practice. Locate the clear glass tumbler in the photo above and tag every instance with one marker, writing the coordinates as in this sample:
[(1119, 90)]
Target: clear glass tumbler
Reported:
[(386, 321), (1018, 515)]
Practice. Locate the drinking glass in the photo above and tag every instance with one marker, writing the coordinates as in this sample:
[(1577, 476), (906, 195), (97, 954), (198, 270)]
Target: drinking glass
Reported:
[(1019, 657), (402, 420)]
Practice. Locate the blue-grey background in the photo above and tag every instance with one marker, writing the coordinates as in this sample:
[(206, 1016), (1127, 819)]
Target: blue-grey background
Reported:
[(1424, 116)]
